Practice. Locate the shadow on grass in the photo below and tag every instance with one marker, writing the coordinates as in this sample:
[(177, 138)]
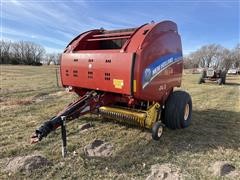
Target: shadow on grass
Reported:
[(210, 129)]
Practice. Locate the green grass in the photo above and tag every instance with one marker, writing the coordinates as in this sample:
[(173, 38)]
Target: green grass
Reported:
[(213, 135)]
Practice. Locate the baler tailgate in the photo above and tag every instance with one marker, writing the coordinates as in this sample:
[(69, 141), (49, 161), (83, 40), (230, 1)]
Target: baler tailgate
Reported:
[(110, 72)]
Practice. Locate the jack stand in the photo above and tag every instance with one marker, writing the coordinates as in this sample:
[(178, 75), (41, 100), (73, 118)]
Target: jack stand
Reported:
[(64, 136)]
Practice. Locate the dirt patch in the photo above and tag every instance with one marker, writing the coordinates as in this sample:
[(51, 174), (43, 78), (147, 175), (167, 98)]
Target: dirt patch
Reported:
[(43, 96), (26, 163), (84, 127), (6, 103), (164, 171), (4, 162), (98, 148), (224, 168), (13, 103), (40, 97), (59, 93), (22, 102), (121, 177)]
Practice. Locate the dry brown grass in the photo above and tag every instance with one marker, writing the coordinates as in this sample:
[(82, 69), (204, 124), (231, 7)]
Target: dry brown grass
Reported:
[(31, 97)]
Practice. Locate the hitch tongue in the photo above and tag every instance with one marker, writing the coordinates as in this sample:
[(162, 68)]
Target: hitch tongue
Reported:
[(39, 134), (87, 103), (72, 111), (45, 129)]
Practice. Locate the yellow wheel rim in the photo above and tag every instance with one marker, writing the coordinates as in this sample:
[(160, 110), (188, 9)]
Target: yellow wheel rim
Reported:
[(160, 131)]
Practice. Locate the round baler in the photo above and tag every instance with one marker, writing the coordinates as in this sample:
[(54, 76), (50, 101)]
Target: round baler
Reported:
[(127, 75)]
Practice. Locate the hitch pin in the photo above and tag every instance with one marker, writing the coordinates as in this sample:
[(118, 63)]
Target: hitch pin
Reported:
[(64, 136)]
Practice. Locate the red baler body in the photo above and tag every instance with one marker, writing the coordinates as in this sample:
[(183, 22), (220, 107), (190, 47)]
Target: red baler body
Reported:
[(143, 63), (125, 75)]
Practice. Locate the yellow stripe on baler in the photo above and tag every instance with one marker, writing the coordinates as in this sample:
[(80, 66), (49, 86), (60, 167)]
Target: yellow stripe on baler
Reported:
[(134, 85)]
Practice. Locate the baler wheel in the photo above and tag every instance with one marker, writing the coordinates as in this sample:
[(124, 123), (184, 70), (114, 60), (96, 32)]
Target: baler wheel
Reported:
[(201, 80), (220, 81), (178, 110), (157, 130), (223, 76), (224, 80)]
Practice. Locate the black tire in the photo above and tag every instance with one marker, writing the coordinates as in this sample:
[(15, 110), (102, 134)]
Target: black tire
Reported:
[(220, 81), (204, 74), (176, 108), (223, 76), (201, 80), (157, 130), (162, 115), (224, 80)]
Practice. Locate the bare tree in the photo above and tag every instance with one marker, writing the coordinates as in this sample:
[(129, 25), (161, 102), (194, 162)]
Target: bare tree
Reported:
[(53, 57), (5, 47), (27, 53), (236, 56), (189, 62), (229, 58), (17, 56), (50, 57), (37, 52), (58, 58), (207, 56), (226, 60)]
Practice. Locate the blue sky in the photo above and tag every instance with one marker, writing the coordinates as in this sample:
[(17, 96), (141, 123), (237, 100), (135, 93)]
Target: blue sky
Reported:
[(54, 23)]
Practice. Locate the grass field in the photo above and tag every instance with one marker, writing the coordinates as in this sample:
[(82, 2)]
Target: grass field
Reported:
[(29, 96)]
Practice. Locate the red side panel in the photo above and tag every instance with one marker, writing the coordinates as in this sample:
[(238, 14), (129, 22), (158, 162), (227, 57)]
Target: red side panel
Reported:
[(110, 72)]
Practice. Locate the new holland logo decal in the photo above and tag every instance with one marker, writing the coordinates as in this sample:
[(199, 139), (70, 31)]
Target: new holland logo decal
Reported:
[(158, 66)]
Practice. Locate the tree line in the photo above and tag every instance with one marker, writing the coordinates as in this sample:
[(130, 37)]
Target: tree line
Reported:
[(25, 53), (29, 53), (214, 56)]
